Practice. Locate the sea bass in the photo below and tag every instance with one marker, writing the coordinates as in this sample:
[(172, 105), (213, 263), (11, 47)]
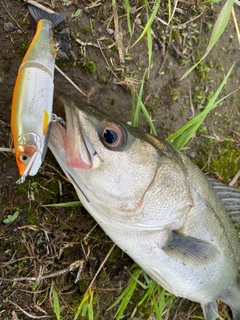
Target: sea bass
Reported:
[(153, 202), (33, 95)]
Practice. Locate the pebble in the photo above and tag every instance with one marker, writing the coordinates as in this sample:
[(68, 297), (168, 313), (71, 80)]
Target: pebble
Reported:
[(8, 26), (138, 21), (110, 31)]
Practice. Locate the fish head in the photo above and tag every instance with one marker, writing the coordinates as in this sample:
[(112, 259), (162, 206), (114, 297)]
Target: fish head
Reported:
[(28, 155), (106, 160)]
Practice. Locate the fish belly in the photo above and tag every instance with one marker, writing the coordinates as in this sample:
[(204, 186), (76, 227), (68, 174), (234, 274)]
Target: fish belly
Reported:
[(199, 283)]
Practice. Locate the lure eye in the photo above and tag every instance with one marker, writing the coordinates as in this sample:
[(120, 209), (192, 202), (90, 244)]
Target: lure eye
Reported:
[(24, 158), (113, 135)]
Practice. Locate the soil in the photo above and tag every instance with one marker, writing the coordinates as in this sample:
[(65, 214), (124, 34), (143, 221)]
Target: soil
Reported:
[(45, 240)]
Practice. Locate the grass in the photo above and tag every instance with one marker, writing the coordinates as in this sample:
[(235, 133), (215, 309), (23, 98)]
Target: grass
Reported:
[(56, 305), (181, 137), (218, 29), (153, 295), (85, 307)]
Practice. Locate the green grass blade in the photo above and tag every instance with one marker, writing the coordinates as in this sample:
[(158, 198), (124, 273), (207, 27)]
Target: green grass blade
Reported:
[(193, 67), (135, 117), (149, 120), (128, 10), (149, 44), (169, 11), (149, 23), (220, 24), (65, 204), (218, 29), (149, 37), (56, 305), (86, 306), (127, 293), (150, 291), (90, 308), (140, 106), (182, 135)]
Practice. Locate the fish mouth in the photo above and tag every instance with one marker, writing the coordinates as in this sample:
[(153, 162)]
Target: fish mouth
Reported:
[(69, 133)]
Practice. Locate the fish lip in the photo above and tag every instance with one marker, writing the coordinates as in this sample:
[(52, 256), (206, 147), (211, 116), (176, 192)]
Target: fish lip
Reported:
[(79, 151)]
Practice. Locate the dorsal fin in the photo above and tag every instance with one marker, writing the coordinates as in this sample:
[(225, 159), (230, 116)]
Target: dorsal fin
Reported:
[(230, 198)]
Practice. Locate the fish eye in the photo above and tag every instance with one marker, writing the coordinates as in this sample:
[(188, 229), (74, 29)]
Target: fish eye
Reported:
[(113, 135), (24, 158)]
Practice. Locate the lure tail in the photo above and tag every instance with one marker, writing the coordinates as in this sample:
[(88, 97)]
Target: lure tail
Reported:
[(39, 14)]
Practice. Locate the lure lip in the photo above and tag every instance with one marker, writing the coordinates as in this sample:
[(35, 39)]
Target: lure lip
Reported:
[(29, 154), (32, 167)]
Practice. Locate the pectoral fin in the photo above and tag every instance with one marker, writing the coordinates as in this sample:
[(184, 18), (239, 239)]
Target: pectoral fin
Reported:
[(210, 310), (190, 250)]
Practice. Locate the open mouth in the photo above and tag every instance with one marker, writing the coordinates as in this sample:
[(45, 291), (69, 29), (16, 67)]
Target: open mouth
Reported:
[(72, 138)]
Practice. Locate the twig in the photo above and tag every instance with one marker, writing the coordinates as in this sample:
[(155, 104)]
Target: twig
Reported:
[(234, 180), (4, 264), (118, 32), (173, 12), (165, 53), (28, 314), (58, 172), (190, 100), (92, 44), (40, 6), (2, 149), (104, 57), (72, 83), (236, 25), (72, 266), (14, 20), (99, 269)]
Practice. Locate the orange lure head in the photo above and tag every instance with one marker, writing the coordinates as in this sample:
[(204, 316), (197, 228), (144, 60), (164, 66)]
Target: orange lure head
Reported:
[(29, 154)]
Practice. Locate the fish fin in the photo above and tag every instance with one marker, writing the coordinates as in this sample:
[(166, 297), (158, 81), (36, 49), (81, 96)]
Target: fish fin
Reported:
[(230, 198), (39, 14), (236, 316), (190, 250), (231, 296), (210, 310)]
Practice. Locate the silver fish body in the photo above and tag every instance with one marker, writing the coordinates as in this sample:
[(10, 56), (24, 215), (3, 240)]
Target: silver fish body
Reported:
[(154, 203)]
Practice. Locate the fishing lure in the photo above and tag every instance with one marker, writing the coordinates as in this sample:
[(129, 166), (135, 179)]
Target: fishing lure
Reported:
[(31, 113)]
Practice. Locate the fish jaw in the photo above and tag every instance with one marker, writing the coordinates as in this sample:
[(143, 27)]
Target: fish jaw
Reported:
[(79, 153)]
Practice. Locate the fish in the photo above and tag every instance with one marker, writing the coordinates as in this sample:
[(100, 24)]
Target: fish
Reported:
[(32, 101), (153, 202)]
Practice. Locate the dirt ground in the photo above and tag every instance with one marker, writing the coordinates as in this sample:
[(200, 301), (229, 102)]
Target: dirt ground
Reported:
[(45, 240)]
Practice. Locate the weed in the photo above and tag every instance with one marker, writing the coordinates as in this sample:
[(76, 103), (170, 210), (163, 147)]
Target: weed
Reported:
[(183, 135), (11, 218)]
